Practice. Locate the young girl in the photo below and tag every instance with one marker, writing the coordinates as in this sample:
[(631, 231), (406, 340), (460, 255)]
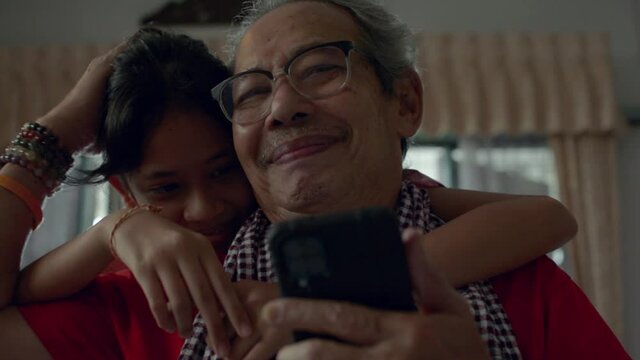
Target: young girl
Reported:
[(166, 144), (166, 140)]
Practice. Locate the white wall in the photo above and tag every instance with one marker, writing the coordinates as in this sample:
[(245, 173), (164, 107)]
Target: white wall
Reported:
[(70, 21), (82, 21)]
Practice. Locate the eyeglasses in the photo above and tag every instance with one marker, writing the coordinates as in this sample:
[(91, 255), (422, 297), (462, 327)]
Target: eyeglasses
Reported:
[(317, 72)]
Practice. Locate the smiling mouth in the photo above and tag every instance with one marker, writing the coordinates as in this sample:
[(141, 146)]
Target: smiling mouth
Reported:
[(301, 148)]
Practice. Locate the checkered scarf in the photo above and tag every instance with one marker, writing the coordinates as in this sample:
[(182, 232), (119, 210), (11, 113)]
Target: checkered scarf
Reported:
[(248, 258)]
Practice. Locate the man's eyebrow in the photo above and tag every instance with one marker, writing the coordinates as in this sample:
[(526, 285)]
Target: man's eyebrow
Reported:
[(303, 47), (295, 51)]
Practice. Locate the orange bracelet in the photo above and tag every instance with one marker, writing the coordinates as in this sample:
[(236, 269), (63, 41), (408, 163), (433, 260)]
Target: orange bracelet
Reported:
[(25, 195), (132, 211)]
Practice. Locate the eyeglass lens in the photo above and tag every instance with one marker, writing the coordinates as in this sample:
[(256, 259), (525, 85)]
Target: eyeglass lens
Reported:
[(314, 74)]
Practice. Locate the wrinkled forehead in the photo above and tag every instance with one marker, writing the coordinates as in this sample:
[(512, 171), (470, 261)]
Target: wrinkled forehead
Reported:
[(281, 33)]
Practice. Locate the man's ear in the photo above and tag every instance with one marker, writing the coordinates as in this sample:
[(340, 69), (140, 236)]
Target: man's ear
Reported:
[(408, 91)]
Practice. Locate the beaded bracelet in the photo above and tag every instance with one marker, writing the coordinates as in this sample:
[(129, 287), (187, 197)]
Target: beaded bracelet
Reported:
[(127, 214), (36, 149), (25, 195)]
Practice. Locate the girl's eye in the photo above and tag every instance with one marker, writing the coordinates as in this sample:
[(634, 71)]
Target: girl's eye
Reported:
[(164, 189)]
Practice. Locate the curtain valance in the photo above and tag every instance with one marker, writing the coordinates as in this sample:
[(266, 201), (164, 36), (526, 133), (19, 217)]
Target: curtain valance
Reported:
[(517, 83)]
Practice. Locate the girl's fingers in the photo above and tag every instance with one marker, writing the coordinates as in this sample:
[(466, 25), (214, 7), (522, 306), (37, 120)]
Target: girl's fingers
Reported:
[(227, 295), (152, 289), (179, 299), (206, 302)]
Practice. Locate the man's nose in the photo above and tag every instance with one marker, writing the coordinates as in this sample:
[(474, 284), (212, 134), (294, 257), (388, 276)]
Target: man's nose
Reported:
[(287, 105)]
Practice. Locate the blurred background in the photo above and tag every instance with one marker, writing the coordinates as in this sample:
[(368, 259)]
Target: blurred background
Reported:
[(521, 96)]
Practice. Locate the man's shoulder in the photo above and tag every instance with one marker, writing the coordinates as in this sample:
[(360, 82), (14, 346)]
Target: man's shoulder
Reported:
[(551, 316)]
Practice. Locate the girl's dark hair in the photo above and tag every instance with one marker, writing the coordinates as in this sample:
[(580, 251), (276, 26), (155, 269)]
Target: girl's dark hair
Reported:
[(156, 71)]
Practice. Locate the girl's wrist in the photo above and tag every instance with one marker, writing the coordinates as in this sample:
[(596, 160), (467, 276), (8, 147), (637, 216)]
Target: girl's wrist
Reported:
[(69, 137), (126, 215), (105, 227), (26, 178)]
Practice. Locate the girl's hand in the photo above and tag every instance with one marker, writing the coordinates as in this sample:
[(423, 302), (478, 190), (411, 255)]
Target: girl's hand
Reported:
[(76, 119), (179, 272)]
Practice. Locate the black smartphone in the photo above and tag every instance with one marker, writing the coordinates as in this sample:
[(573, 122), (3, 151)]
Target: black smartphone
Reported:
[(355, 256)]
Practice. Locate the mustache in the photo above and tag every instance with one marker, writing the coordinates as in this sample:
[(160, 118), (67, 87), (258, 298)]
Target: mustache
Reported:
[(282, 136)]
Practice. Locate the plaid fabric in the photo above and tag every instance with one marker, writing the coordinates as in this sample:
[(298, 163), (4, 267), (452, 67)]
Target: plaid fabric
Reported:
[(248, 258)]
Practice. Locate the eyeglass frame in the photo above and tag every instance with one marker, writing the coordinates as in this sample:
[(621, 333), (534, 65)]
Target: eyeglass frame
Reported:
[(345, 45)]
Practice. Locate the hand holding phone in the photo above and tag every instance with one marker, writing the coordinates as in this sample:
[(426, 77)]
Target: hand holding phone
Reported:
[(356, 256)]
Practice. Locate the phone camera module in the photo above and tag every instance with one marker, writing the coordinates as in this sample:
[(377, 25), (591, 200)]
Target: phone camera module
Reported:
[(306, 259)]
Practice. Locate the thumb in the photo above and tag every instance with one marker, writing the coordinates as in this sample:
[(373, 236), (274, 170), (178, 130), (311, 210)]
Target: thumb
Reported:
[(433, 292)]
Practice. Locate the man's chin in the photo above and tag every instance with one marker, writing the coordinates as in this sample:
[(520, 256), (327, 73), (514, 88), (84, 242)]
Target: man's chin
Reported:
[(304, 193)]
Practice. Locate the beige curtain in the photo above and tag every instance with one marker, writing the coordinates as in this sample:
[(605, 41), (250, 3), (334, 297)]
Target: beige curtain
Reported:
[(34, 79), (557, 85), (587, 171), (516, 83)]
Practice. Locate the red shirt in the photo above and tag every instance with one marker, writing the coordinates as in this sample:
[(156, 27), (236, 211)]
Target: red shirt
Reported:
[(110, 319), (551, 318)]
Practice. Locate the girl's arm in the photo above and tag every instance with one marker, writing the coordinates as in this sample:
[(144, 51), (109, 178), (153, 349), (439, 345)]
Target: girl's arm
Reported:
[(177, 269), (74, 121), (17, 220), (488, 233), (15, 223), (68, 268)]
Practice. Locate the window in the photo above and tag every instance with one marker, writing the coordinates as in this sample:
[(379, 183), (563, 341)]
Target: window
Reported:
[(518, 166)]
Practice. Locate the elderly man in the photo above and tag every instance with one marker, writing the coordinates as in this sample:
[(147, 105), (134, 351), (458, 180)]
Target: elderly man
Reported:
[(322, 102)]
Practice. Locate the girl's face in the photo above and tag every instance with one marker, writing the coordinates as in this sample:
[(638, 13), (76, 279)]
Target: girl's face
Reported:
[(189, 168)]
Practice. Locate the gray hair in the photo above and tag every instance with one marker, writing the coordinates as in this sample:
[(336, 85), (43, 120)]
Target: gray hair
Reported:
[(384, 39)]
